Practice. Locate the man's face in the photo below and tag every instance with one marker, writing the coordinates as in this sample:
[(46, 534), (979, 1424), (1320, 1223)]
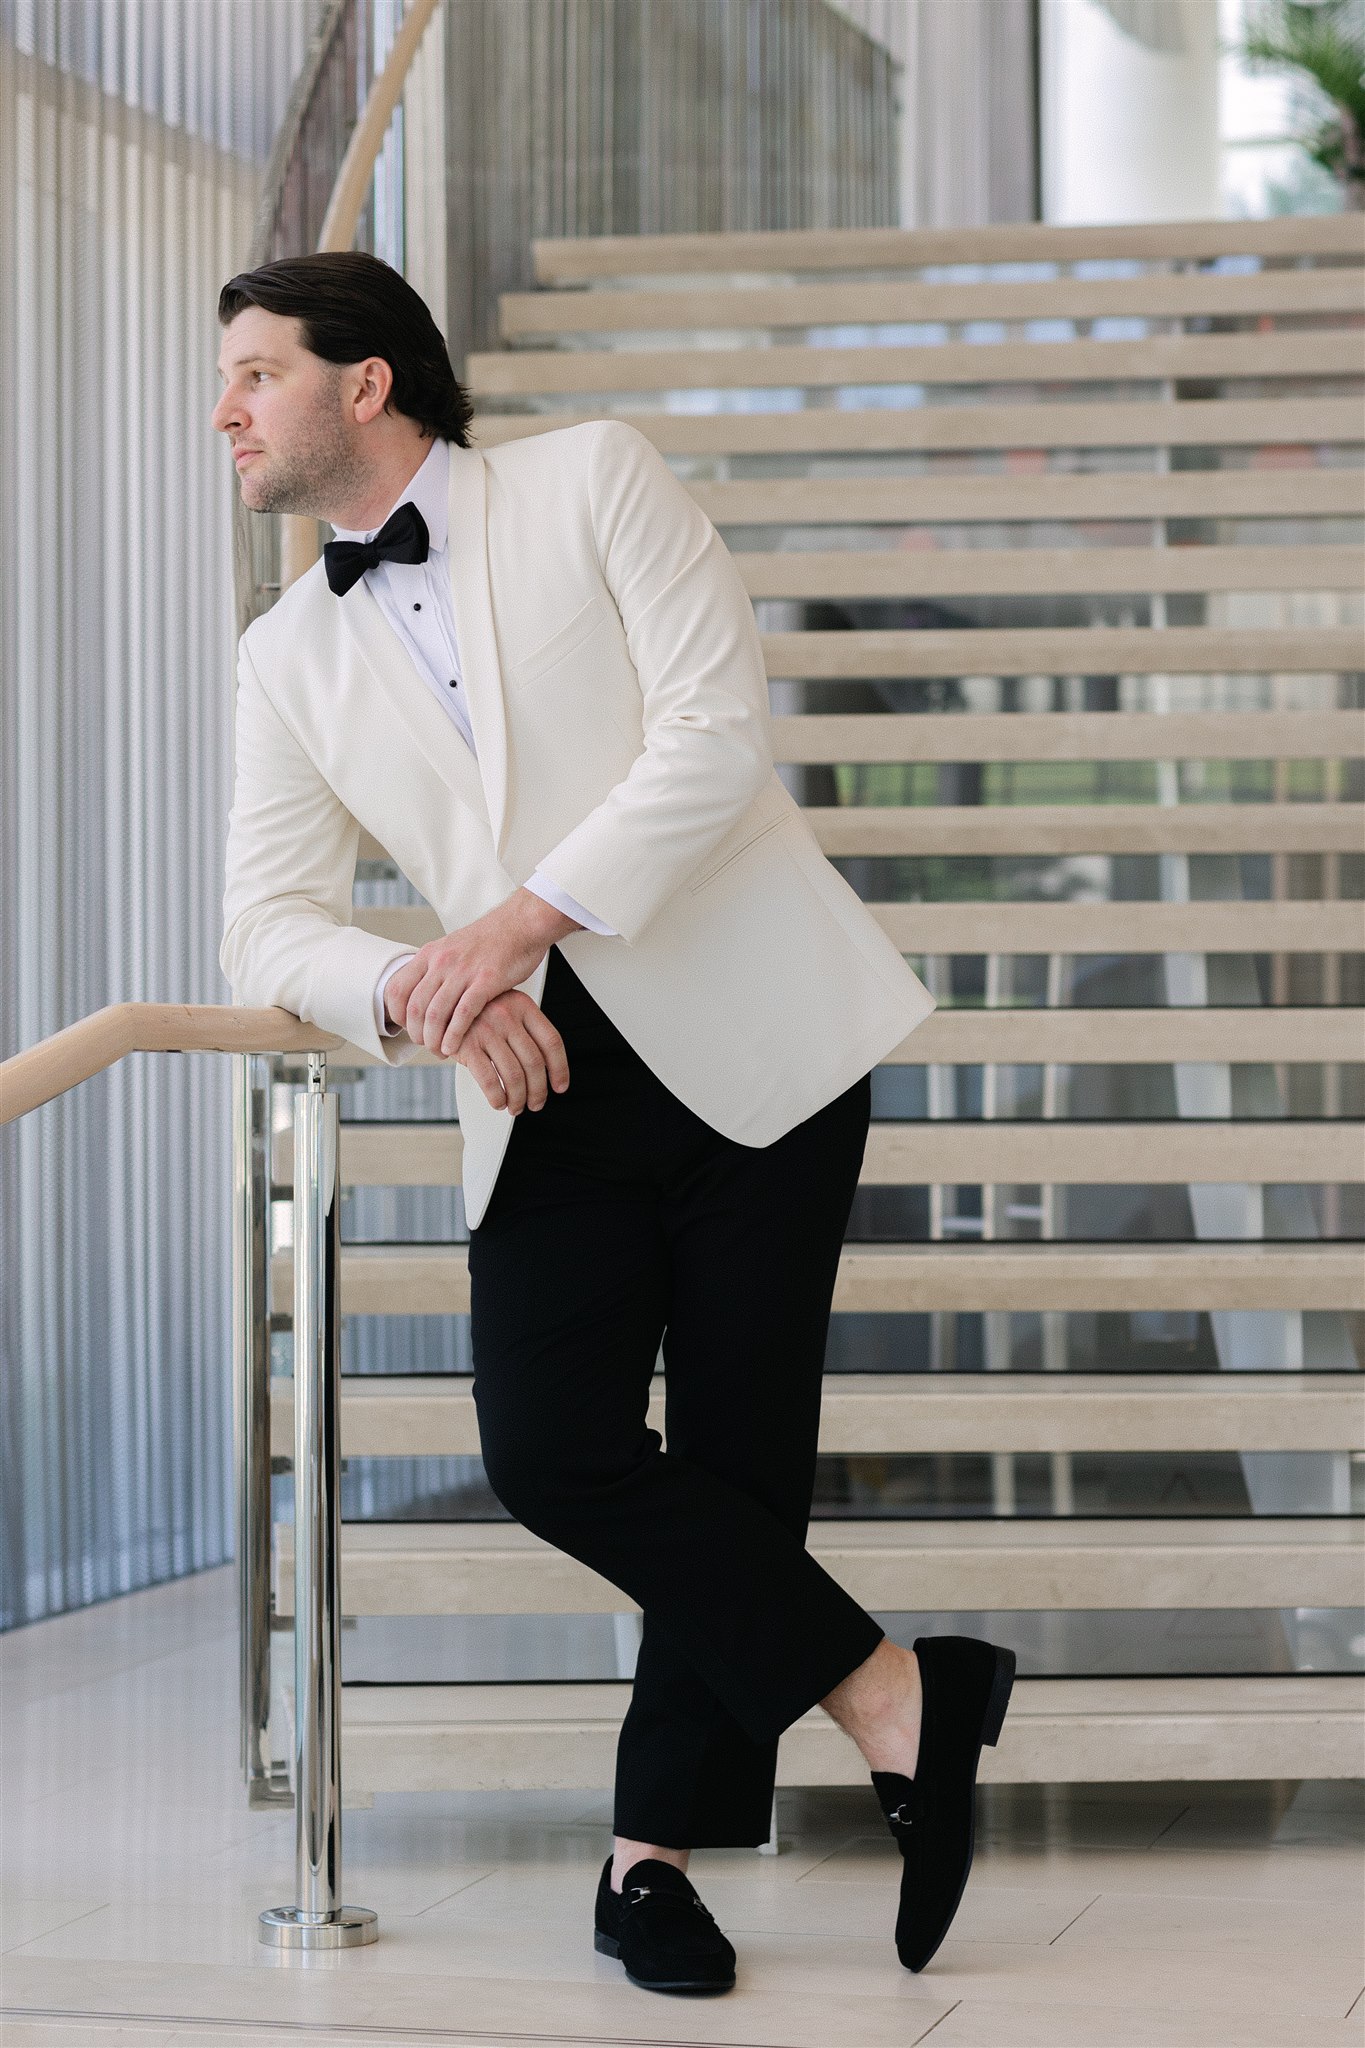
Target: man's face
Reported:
[(283, 411)]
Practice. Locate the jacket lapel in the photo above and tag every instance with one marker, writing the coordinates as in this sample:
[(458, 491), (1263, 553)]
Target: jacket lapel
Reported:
[(481, 669), (481, 784)]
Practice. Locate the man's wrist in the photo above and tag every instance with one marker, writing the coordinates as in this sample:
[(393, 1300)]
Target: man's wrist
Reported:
[(542, 919)]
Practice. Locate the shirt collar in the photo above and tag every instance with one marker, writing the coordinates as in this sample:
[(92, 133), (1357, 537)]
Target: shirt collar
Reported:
[(427, 491)]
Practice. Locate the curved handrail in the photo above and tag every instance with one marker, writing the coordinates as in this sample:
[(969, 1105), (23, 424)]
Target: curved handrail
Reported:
[(288, 136), (298, 532), (342, 217), (48, 1069)]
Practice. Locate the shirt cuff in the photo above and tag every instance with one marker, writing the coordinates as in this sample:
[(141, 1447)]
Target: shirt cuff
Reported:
[(550, 892), (381, 1020)]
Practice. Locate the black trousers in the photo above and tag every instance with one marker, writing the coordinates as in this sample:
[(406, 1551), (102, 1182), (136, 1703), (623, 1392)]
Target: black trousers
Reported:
[(620, 1219)]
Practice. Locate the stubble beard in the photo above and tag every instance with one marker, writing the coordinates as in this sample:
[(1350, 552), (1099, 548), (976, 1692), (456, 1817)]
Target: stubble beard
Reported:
[(319, 471)]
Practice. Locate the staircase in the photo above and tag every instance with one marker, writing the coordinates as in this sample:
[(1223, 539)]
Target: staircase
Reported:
[(1054, 536)]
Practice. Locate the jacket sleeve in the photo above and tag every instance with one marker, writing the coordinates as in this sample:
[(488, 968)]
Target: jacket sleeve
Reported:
[(694, 643), (549, 892), (288, 939)]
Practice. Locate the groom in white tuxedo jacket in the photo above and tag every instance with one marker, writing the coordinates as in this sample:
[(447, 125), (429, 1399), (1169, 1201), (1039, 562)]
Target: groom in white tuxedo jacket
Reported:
[(533, 674)]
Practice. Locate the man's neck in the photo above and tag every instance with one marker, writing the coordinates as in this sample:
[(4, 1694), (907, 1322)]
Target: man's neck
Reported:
[(364, 515)]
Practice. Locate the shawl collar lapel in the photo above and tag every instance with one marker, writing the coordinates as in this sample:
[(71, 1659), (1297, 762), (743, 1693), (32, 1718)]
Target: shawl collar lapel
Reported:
[(482, 669), (482, 783)]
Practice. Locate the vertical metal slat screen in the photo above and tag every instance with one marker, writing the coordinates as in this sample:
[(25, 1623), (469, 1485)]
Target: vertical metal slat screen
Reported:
[(625, 117), (132, 143)]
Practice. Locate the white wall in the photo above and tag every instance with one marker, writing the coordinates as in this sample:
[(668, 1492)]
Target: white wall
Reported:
[(1129, 129)]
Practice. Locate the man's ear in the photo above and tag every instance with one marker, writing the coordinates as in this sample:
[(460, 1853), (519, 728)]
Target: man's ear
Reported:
[(376, 388)]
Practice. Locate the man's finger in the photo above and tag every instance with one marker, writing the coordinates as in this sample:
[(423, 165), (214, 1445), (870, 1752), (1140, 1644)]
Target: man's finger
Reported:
[(412, 969), (400, 986), (466, 1010), (425, 971), (524, 1049), (435, 1022), (415, 1006), (487, 1076), (551, 1046), (513, 1079), (439, 1008)]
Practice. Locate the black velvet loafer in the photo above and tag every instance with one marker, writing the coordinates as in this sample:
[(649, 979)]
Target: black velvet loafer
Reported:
[(966, 1684), (659, 1929)]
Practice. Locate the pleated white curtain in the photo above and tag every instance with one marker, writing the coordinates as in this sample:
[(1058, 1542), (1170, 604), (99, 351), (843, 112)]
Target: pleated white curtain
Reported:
[(133, 136)]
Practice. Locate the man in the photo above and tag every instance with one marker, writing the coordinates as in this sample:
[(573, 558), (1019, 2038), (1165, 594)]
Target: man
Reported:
[(534, 675)]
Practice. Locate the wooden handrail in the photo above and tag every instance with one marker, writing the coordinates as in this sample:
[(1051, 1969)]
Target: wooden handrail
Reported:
[(46, 1070), (342, 217), (298, 532)]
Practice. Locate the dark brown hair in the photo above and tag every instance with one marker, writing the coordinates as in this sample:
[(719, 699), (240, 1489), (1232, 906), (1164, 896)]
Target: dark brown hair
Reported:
[(351, 305)]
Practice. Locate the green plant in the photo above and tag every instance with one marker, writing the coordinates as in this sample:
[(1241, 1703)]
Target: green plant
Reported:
[(1323, 40)]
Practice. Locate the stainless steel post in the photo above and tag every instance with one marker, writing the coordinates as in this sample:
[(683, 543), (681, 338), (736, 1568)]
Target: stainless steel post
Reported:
[(251, 1177), (316, 1920)]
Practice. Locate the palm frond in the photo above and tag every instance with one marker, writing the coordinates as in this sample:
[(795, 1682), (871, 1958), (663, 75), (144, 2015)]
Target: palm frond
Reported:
[(1320, 41)]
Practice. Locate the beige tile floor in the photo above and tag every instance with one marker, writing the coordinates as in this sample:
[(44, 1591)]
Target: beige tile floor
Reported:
[(131, 1874)]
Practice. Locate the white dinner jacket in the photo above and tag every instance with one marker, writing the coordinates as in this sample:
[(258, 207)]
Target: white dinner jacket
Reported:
[(615, 683)]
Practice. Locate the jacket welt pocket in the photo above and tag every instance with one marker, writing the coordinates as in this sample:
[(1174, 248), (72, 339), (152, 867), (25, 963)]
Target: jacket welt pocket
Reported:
[(760, 832), (571, 634)]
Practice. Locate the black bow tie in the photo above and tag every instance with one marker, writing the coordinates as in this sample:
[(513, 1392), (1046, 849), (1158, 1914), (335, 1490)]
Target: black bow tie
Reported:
[(402, 538)]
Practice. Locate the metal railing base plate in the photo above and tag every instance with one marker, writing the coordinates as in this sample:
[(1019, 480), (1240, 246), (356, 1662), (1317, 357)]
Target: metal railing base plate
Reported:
[(345, 1927)]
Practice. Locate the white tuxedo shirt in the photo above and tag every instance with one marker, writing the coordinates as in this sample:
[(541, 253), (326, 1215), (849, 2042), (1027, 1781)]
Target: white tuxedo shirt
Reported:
[(616, 691)]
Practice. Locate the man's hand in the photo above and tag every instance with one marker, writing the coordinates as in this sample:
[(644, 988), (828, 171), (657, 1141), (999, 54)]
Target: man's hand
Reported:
[(515, 1054), (450, 981)]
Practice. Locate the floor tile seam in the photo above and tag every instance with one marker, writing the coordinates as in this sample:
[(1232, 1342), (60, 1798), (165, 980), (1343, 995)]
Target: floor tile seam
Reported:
[(1324, 2028), (1075, 1917), (840, 1848), (364, 2033), (937, 2023), (17, 1948), (1059, 1998), (1035, 1987), (1173, 1822)]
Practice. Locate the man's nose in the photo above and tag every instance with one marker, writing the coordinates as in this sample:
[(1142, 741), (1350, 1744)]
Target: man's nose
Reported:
[(227, 413)]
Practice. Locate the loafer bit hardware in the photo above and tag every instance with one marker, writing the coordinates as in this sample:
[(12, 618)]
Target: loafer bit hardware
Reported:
[(658, 1949), (966, 1688)]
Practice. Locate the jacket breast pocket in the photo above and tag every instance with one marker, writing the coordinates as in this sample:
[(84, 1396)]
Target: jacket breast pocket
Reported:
[(563, 641)]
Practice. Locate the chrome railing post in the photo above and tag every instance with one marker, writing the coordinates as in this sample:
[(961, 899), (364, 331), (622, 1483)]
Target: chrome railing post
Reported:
[(316, 1920), (251, 1179)]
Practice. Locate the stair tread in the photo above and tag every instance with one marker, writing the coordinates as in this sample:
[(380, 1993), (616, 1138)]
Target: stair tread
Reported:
[(827, 1537), (1058, 1730), (433, 1279), (434, 1415), (970, 1388), (1022, 1252), (541, 1700), (560, 260)]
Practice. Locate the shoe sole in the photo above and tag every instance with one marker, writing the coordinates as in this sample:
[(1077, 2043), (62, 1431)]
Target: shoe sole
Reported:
[(607, 1945), (1001, 1687), (992, 1721)]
